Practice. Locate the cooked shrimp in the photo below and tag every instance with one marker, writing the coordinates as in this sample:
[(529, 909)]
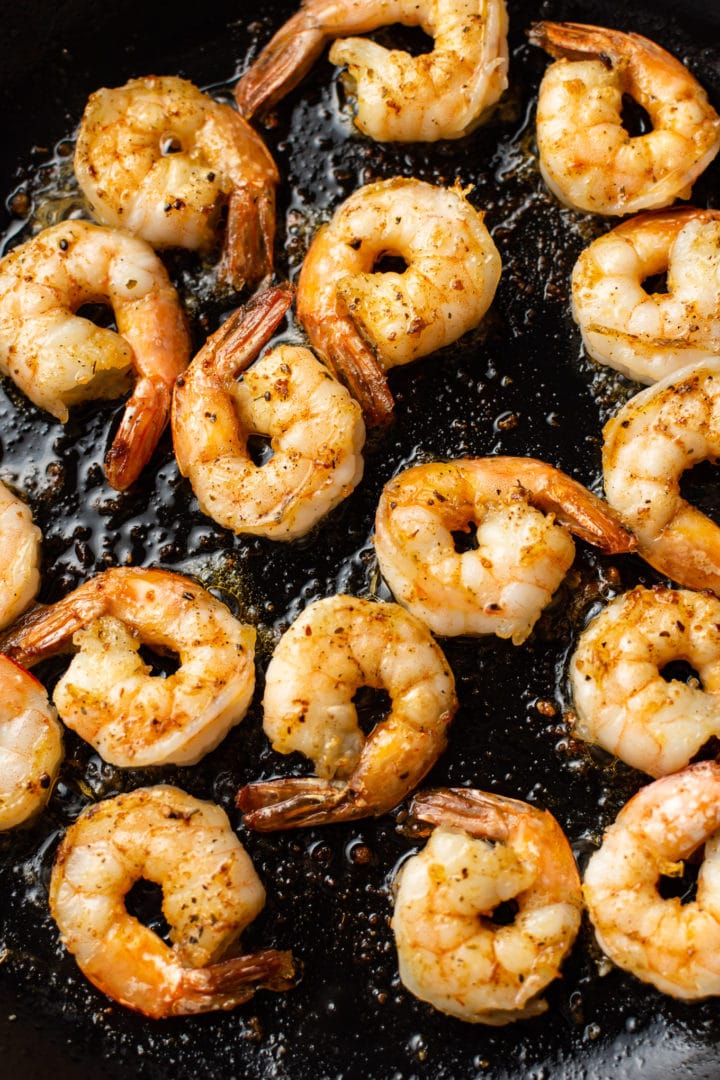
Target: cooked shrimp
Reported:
[(587, 157), (108, 695), (315, 428), (648, 444), (363, 322), (30, 745), (524, 512), (58, 358), (671, 944), (20, 542), (485, 851), (211, 892), (442, 94), (163, 160), (333, 649), (648, 335), (622, 701)]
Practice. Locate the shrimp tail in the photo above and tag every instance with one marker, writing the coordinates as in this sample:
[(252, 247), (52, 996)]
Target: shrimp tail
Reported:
[(476, 812), (578, 41), (232, 982), (47, 630), (247, 257), (572, 41), (297, 802), (583, 513), (144, 420), (232, 348), (281, 65), (12, 640), (353, 363)]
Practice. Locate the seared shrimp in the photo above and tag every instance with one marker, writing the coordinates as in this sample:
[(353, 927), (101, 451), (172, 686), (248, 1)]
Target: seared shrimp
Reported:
[(20, 542), (648, 335), (442, 94), (108, 695), (648, 444), (671, 944), (587, 157), (333, 649), (524, 512), (58, 358), (163, 160), (363, 322), (211, 892), (315, 428), (30, 745), (485, 851), (622, 701)]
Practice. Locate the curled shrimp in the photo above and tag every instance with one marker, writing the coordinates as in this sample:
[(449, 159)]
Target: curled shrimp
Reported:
[(623, 703), (587, 157), (485, 851), (20, 542), (211, 892), (31, 746), (334, 648), (362, 321), (523, 511), (108, 694), (648, 444), (59, 358), (648, 335), (165, 161), (671, 944), (442, 94), (315, 428)]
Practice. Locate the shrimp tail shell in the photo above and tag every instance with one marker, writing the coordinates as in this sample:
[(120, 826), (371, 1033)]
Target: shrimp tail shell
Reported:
[(47, 629), (25, 642), (247, 256), (281, 65), (479, 813), (354, 363), (297, 802), (584, 514), (577, 41), (232, 348), (144, 419), (232, 982)]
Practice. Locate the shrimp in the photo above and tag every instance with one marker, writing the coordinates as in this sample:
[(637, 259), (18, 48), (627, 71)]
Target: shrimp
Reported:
[(587, 157), (211, 892), (648, 335), (671, 944), (524, 512), (648, 444), (315, 427), (31, 746), (485, 851), (334, 648), (20, 542), (163, 160), (363, 322), (59, 358), (442, 94), (622, 700), (108, 695)]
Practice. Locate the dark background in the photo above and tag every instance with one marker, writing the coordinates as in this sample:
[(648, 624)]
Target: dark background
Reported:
[(519, 385)]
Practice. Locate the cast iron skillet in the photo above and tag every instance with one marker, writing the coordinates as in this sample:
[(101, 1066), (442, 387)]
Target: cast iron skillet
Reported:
[(520, 386)]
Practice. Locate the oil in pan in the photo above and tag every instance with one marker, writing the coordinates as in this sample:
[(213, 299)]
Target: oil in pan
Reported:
[(519, 385)]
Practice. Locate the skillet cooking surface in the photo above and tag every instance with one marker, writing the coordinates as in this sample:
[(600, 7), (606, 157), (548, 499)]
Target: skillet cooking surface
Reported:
[(519, 386)]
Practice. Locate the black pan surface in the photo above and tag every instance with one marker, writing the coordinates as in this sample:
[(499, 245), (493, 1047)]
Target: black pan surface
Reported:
[(520, 385)]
